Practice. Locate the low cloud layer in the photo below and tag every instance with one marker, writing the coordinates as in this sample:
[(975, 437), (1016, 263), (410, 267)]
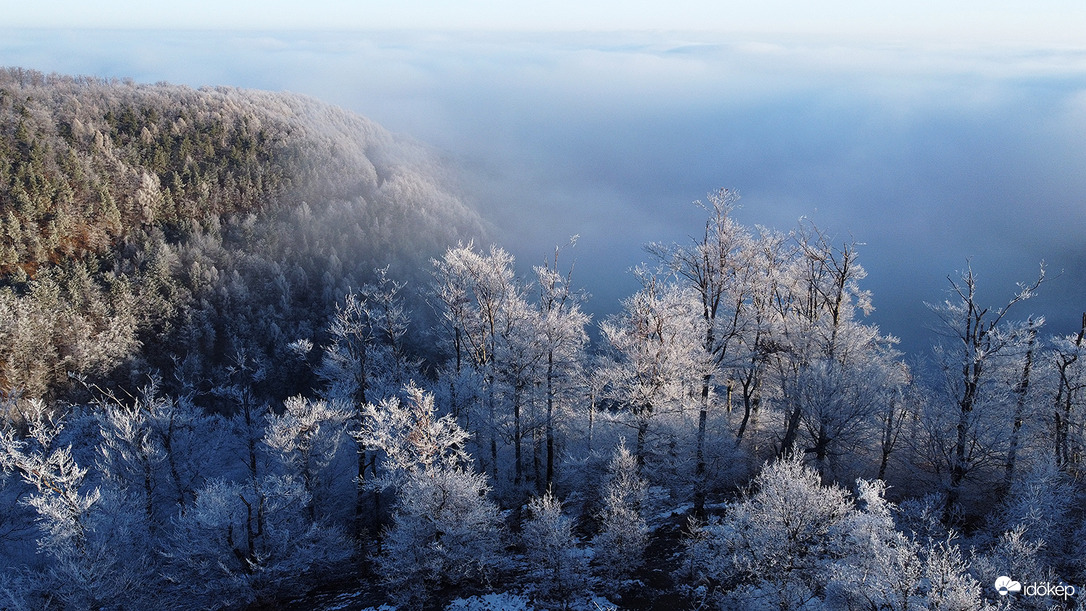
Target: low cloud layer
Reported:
[(930, 155)]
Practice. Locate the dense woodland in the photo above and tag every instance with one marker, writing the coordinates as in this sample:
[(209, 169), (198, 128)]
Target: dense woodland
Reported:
[(254, 347)]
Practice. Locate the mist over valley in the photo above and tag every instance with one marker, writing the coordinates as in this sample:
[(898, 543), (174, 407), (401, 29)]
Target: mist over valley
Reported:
[(930, 154)]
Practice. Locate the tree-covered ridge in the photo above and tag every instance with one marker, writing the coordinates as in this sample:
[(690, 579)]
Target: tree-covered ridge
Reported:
[(142, 223), (86, 161)]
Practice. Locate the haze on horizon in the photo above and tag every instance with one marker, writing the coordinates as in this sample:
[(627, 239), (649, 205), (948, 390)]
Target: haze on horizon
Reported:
[(934, 136), (1000, 22)]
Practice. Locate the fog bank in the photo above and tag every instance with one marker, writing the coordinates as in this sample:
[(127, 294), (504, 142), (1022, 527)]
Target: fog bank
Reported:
[(931, 155)]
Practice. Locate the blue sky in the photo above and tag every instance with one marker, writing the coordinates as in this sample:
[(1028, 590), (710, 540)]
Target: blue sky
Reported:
[(934, 136)]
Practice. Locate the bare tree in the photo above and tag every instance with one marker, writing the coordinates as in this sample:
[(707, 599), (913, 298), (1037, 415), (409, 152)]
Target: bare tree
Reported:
[(1066, 357), (978, 337), (1021, 391)]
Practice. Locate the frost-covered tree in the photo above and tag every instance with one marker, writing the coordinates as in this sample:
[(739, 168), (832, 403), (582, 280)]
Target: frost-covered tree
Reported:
[(97, 544), (152, 450), (556, 566), (779, 540), (793, 543), (898, 407), (1068, 358), (444, 530), (518, 353), (719, 267), (759, 345), (879, 566), (1034, 526), (63, 506), (1015, 554), (1021, 393), (367, 358), (978, 337), (840, 406), (949, 586), (620, 544), (473, 291), (247, 542), (513, 365), (655, 355), (818, 303), (306, 439), (562, 329)]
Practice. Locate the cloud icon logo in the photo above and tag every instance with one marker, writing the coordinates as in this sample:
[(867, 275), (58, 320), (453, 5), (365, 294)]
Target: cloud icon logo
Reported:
[(1005, 585)]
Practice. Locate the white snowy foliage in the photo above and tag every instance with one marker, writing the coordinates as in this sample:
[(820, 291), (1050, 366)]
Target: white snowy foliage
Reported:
[(444, 528), (655, 355), (100, 555), (879, 566), (444, 531), (556, 566), (366, 358), (948, 584), (244, 542), (491, 602), (792, 543), (411, 435), (620, 545), (781, 537), (1017, 555), (473, 288), (306, 439), (154, 451), (1040, 504), (62, 505)]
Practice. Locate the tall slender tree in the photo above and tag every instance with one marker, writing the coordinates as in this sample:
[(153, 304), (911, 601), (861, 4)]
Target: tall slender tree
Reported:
[(656, 355), (717, 266), (562, 326), (978, 337)]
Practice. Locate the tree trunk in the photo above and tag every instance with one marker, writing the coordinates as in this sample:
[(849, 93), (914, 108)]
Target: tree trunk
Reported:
[(821, 451), (518, 468), (751, 400), (959, 466), (642, 433), (493, 427), (889, 439), (791, 433), (591, 418), (1020, 392), (550, 419), (699, 469)]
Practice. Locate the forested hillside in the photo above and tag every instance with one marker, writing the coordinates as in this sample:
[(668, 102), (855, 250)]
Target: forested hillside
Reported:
[(251, 358), (161, 228)]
